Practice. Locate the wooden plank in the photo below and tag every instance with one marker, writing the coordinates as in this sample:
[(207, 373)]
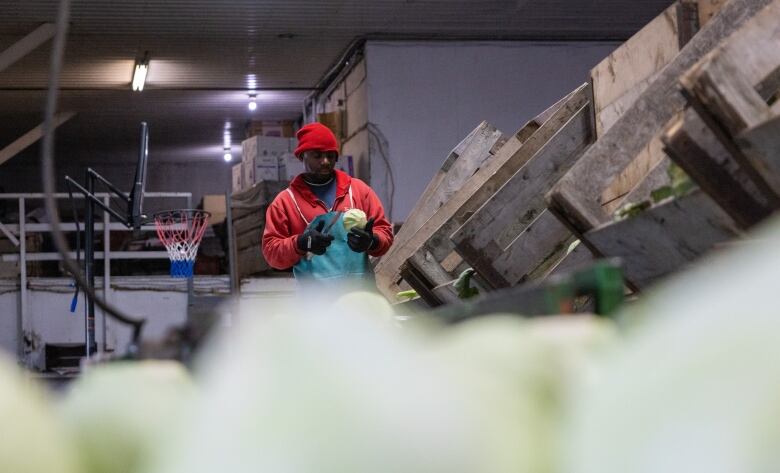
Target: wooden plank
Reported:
[(505, 216), (472, 153), (434, 236), (29, 138), (624, 74), (577, 196), (543, 243), (26, 45), (665, 238), (423, 208), (762, 143), (696, 149), (388, 269)]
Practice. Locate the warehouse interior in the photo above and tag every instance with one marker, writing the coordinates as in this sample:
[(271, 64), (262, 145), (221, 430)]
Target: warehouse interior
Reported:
[(534, 220)]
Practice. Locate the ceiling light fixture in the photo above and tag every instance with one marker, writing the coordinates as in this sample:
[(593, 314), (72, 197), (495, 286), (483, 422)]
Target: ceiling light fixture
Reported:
[(228, 157), (252, 103), (139, 74)]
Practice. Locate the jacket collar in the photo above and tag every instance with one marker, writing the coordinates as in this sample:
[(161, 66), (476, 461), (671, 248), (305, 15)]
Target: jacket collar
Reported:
[(343, 181)]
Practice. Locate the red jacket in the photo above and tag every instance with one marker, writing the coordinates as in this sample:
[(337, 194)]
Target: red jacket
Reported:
[(283, 221)]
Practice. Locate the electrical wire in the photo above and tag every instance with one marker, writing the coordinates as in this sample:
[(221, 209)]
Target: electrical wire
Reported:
[(376, 133), (48, 177)]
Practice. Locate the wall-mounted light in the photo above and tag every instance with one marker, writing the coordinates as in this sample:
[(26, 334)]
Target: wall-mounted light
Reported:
[(228, 157), (252, 102), (139, 74)]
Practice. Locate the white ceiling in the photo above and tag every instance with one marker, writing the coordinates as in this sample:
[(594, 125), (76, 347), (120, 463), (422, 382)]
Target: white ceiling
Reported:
[(206, 54)]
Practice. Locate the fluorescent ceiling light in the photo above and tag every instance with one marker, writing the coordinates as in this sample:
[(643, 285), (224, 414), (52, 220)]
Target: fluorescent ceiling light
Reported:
[(139, 74)]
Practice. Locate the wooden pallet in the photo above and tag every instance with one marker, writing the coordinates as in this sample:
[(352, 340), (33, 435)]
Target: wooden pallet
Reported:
[(730, 89), (512, 233), (576, 198), (434, 261), (462, 162), (533, 241)]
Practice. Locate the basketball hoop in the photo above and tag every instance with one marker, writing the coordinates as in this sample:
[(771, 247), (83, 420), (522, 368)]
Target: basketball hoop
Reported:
[(181, 231)]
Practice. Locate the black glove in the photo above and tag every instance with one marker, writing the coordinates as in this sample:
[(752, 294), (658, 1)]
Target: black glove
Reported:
[(360, 240), (314, 240)]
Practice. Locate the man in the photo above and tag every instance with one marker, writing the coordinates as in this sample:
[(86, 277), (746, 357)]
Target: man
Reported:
[(303, 226)]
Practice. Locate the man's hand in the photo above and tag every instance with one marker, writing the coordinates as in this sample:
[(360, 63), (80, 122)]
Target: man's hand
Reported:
[(361, 240), (314, 240)]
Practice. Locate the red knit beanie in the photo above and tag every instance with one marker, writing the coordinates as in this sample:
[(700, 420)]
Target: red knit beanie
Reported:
[(316, 136)]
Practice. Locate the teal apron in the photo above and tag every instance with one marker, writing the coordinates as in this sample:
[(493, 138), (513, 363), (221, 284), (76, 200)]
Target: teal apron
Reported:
[(339, 263)]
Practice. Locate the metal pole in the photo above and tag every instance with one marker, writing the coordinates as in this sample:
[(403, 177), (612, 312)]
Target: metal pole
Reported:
[(89, 264), (190, 280), (106, 272), (232, 270), (22, 278)]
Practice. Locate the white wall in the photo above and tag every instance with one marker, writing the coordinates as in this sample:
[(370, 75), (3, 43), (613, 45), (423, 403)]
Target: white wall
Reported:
[(424, 97)]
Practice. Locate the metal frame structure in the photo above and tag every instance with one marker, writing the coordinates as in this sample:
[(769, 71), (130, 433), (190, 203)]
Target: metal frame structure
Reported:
[(17, 234)]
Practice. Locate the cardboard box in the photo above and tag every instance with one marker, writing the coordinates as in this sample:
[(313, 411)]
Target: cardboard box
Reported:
[(334, 121), (238, 178), (216, 205), (283, 128), (268, 157), (247, 174)]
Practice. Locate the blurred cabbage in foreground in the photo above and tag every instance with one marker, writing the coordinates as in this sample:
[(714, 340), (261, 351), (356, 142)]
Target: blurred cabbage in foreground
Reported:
[(696, 385), (340, 387)]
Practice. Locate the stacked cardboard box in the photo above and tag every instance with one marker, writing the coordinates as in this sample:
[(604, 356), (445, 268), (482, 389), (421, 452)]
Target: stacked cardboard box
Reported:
[(265, 158)]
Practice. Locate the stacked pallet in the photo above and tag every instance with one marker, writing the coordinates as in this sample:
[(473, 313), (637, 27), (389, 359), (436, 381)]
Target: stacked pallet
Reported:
[(248, 209), (516, 208)]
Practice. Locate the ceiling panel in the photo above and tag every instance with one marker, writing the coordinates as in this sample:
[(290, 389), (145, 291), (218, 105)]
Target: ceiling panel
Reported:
[(205, 56)]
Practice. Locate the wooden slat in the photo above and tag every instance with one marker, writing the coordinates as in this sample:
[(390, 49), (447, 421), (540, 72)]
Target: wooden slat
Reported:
[(577, 195), (425, 205), (696, 149), (622, 76), (434, 236), (29, 138), (543, 243), (505, 216), (472, 153), (26, 45), (762, 142), (665, 238)]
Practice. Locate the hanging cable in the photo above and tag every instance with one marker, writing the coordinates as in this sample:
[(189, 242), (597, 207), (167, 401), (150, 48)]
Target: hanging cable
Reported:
[(382, 145), (48, 177)]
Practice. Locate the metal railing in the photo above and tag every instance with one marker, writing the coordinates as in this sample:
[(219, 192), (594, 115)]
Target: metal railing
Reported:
[(17, 234)]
